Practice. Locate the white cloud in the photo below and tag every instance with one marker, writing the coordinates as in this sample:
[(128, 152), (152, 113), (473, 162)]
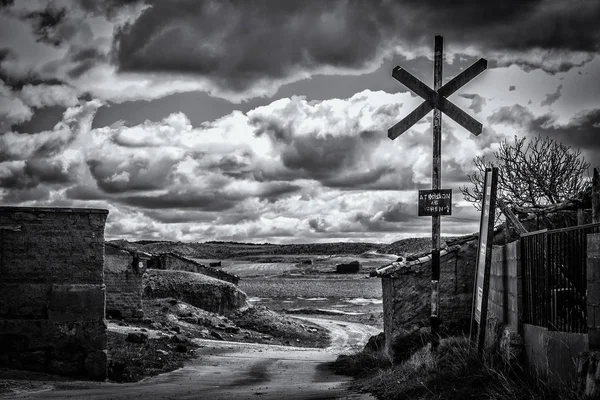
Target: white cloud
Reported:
[(49, 95)]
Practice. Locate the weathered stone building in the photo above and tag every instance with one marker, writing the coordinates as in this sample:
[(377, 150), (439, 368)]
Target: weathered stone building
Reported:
[(123, 272), (177, 262), (52, 295), (407, 291)]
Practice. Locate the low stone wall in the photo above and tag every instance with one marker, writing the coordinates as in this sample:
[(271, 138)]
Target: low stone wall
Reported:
[(51, 290), (176, 262), (199, 290), (407, 293), (123, 272)]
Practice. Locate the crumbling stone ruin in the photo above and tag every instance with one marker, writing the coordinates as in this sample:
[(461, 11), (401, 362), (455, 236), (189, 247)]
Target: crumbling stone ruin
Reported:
[(177, 262), (123, 273), (52, 293), (407, 291)]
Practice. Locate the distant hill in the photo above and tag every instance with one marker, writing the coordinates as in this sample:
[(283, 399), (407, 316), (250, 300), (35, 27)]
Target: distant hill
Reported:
[(412, 245), (226, 250)]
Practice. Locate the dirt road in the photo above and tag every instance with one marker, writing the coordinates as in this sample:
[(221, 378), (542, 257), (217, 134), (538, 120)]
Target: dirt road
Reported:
[(231, 371)]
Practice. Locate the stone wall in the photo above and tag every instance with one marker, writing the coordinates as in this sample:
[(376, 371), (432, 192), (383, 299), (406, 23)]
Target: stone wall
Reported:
[(123, 271), (51, 290), (407, 293), (176, 262)]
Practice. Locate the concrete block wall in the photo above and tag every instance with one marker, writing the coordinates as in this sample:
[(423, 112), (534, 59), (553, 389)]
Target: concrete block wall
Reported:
[(123, 272), (176, 262), (593, 290), (52, 295), (505, 298)]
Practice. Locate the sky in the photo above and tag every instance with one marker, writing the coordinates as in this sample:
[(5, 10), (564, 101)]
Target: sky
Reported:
[(266, 120)]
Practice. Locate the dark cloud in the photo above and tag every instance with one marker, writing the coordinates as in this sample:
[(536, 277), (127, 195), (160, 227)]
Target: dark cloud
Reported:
[(552, 97), (399, 212), (274, 191), (237, 44), (511, 88), (370, 224), (318, 225), (18, 196), (35, 172), (325, 157), (138, 174), (109, 8), (85, 59), (581, 132), (176, 216), (234, 218), (208, 201), (477, 102), (85, 192), (46, 24)]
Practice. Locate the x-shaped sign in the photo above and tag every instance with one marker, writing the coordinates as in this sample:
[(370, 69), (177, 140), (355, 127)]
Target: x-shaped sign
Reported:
[(437, 99)]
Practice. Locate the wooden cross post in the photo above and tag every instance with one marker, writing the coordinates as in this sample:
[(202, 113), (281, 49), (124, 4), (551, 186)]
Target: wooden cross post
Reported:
[(436, 100)]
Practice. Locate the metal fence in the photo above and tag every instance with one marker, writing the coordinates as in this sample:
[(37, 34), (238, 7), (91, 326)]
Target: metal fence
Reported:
[(554, 278)]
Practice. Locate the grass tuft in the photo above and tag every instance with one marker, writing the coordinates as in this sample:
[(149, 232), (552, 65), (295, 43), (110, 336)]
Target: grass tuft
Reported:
[(453, 371)]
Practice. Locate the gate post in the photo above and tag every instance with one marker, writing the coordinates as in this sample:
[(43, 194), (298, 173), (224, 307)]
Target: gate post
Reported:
[(593, 290)]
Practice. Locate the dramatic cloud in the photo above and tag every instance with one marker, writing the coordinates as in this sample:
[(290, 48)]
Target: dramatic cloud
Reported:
[(239, 45), (581, 132), (44, 95), (12, 109), (295, 148)]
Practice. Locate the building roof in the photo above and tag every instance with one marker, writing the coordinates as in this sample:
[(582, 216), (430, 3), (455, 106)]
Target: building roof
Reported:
[(396, 266), (133, 252)]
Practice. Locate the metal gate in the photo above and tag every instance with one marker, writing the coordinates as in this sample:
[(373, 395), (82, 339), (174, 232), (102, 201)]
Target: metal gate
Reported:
[(555, 278)]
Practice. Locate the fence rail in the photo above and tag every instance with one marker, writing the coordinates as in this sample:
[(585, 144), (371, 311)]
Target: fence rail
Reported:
[(554, 278)]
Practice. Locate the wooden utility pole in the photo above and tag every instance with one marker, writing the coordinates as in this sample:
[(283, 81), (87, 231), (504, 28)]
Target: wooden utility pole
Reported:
[(437, 200), (596, 196), (436, 184)]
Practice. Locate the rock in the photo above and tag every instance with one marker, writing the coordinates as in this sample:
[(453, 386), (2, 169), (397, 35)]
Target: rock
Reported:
[(216, 335), (215, 264), (232, 329), (143, 330), (179, 339), (376, 342), (181, 348), (199, 290), (172, 302), (123, 324), (176, 329), (138, 314), (137, 337), (156, 325), (162, 352), (147, 321), (190, 320), (348, 268)]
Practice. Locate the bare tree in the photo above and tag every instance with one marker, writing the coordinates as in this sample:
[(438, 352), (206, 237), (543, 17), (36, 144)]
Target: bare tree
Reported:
[(535, 173)]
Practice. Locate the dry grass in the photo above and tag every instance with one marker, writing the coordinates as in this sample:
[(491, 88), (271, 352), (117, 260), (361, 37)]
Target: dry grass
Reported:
[(454, 371), (130, 362)]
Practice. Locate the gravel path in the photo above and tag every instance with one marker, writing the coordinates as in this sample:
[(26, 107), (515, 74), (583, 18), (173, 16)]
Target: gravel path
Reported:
[(229, 370)]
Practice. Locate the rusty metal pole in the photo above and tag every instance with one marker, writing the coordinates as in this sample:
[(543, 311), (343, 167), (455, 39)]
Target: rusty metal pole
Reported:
[(436, 184)]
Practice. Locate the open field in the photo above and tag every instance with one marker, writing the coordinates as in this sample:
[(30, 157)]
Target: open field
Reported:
[(294, 287)]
